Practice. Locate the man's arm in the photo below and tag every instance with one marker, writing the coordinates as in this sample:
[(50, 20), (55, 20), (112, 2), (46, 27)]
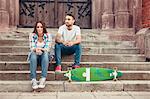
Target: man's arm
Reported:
[(78, 41), (58, 38)]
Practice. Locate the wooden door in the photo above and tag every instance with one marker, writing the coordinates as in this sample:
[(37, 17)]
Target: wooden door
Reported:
[(52, 12)]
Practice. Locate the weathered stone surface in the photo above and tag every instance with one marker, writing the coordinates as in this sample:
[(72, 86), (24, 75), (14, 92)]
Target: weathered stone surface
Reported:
[(61, 86), (25, 75), (140, 39), (86, 50), (93, 86), (139, 66), (4, 16), (14, 67), (121, 14), (84, 58), (134, 66)]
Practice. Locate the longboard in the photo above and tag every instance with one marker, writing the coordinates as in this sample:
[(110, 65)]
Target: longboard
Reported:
[(92, 74)]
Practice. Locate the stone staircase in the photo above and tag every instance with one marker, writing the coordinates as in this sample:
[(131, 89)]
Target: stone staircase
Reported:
[(101, 48)]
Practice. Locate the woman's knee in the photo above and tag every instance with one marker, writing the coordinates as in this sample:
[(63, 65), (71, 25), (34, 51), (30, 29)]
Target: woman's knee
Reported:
[(33, 56), (45, 55)]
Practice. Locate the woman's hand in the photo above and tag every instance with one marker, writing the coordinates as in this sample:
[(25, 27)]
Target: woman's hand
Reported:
[(38, 51)]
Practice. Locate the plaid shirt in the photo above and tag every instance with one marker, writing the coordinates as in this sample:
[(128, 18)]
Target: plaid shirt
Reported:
[(33, 39)]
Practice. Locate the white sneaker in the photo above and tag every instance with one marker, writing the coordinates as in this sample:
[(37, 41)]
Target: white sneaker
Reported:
[(42, 82), (34, 84)]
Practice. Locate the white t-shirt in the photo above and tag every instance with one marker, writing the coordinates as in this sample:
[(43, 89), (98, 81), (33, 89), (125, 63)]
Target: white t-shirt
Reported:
[(40, 44), (69, 35)]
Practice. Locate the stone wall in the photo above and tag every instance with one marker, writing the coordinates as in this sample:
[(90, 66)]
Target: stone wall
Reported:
[(106, 14), (9, 13), (146, 13)]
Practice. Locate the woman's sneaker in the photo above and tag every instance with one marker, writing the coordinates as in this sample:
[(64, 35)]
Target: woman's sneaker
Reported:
[(34, 84), (42, 82)]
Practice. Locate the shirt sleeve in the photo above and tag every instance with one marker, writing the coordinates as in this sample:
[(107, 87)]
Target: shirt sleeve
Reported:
[(60, 30), (48, 44), (78, 31), (32, 41)]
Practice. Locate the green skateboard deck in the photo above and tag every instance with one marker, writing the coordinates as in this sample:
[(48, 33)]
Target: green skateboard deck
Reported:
[(92, 74)]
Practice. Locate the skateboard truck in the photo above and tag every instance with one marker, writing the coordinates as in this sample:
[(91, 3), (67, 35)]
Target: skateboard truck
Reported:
[(68, 75), (69, 68), (115, 74)]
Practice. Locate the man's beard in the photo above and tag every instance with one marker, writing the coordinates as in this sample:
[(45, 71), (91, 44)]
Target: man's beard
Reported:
[(68, 25)]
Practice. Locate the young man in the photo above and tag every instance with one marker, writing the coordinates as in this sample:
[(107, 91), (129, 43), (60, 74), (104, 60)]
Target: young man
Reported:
[(68, 41)]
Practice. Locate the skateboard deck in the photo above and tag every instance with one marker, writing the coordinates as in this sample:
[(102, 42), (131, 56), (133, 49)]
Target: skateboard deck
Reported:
[(92, 74)]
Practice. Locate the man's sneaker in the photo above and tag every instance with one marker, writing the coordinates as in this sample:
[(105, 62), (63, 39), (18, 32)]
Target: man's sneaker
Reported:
[(42, 82), (58, 69), (75, 66), (34, 84)]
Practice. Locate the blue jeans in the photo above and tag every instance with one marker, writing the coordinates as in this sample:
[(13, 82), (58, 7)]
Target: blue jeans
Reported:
[(42, 60), (61, 49)]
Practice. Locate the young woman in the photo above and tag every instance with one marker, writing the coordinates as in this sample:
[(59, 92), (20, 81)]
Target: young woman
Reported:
[(40, 44)]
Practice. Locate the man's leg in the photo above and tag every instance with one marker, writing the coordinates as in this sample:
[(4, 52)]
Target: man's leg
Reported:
[(58, 54), (76, 50), (58, 48), (77, 55)]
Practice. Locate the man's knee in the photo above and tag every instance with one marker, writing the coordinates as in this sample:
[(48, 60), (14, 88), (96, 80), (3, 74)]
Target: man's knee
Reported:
[(78, 46), (57, 45)]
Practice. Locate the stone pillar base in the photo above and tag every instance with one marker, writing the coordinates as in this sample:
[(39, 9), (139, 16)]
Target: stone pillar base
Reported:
[(4, 19), (122, 20), (107, 21)]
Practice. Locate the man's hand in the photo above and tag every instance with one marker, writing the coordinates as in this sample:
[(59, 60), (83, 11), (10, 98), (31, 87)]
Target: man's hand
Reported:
[(68, 43)]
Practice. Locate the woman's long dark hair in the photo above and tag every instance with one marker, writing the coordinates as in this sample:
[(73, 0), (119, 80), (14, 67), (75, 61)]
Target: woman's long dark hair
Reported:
[(44, 27)]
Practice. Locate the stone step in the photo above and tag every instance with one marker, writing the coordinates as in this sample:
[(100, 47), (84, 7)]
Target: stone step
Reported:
[(20, 42), (26, 31), (74, 95), (87, 34), (126, 34), (84, 58), (25, 75), (64, 86), (134, 66), (86, 50)]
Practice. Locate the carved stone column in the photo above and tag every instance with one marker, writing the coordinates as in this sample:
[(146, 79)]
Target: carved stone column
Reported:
[(4, 16), (107, 16), (13, 10), (121, 14), (96, 13)]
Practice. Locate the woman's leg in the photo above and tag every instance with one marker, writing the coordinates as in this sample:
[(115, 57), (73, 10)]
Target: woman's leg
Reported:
[(33, 65), (44, 64)]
